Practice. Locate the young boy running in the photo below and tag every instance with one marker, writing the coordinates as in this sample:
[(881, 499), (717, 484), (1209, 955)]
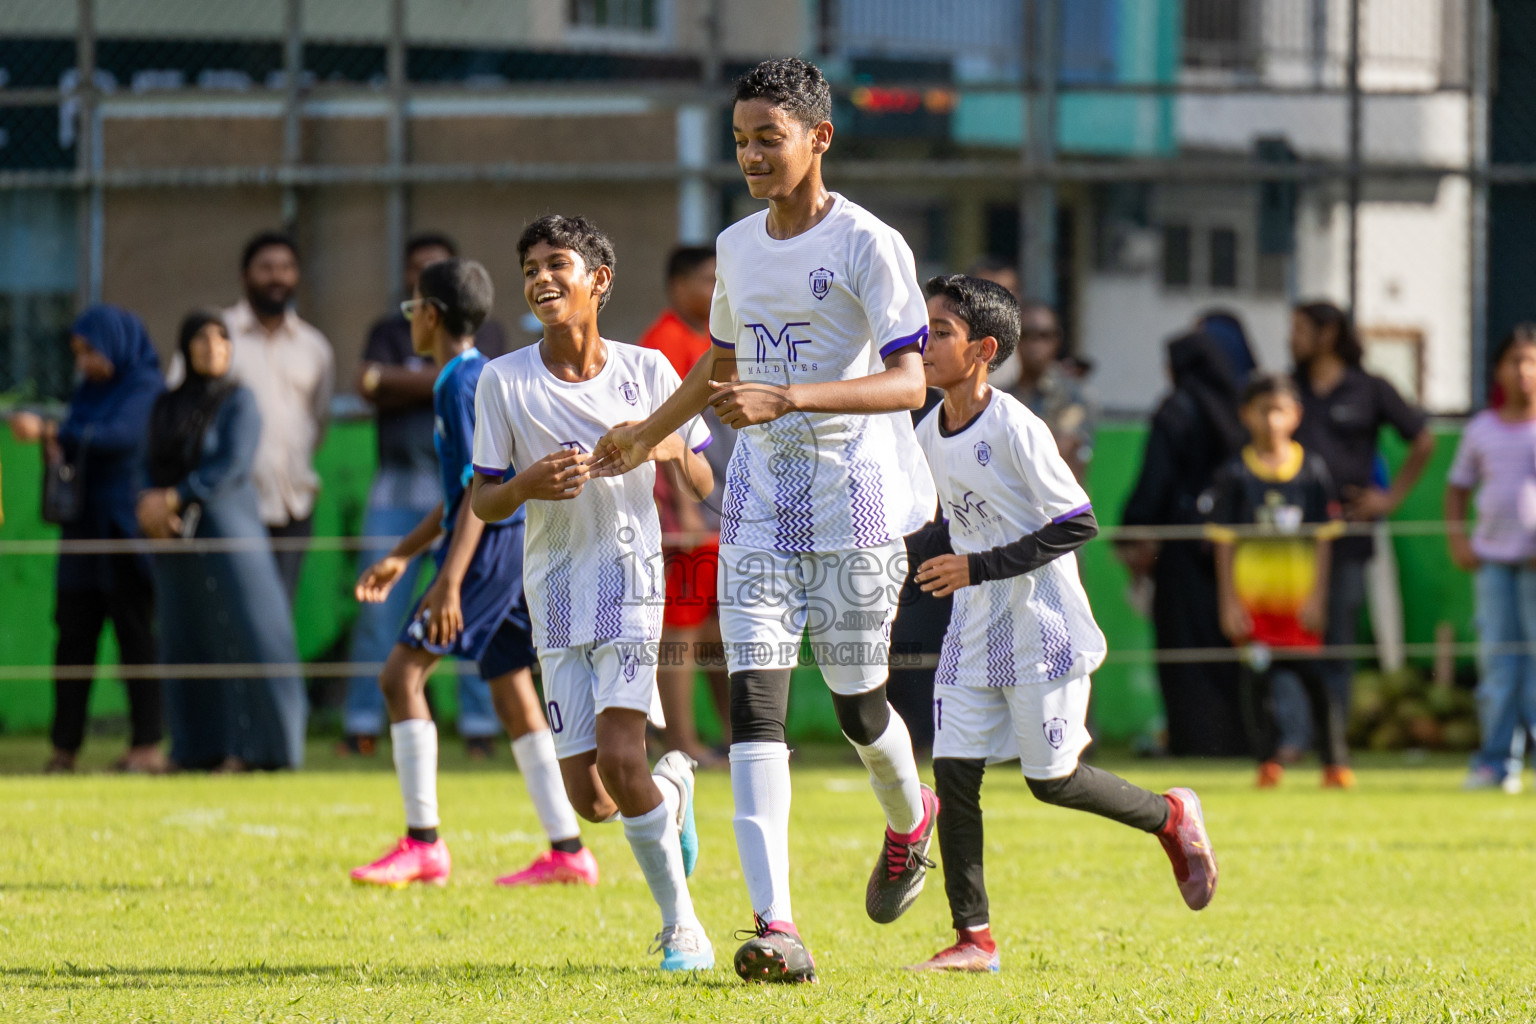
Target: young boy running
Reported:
[(1012, 680), (593, 555), (474, 609), (1273, 587), (818, 325)]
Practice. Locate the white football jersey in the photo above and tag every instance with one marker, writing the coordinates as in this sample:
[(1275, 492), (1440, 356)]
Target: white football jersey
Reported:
[(1000, 479), (826, 305), (592, 565)]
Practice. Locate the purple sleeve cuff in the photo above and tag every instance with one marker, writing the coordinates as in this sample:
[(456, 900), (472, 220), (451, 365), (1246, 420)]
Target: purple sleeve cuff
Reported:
[(709, 439), (722, 344), (1087, 507), (918, 338), (488, 471)]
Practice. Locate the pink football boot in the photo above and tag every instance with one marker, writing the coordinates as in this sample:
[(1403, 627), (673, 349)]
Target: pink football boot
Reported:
[(410, 861), (556, 867)]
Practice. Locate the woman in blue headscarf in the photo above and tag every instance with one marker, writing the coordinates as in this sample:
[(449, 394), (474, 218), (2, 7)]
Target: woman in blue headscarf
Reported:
[(102, 440)]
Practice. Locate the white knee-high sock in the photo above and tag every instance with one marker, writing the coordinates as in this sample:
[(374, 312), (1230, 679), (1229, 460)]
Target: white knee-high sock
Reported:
[(535, 756), (760, 788), (414, 742), (893, 776), (653, 838)]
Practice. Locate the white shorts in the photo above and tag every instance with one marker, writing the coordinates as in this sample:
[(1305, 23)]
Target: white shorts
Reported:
[(582, 682), (1044, 725), (843, 602)]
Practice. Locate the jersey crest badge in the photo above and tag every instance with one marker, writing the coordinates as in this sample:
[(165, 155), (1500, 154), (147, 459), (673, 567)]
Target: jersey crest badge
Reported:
[(983, 453), (1056, 732), (821, 282), (631, 664), (631, 392)]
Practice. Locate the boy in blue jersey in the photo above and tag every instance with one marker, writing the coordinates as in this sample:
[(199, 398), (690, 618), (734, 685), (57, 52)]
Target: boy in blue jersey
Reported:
[(474, 609)]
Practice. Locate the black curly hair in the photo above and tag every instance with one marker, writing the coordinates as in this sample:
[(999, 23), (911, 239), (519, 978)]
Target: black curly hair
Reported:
[(988, 309), (577, 234), (796, 85)]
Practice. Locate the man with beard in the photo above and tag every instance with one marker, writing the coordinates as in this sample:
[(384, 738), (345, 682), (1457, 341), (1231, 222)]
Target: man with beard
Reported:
[(289, 366)]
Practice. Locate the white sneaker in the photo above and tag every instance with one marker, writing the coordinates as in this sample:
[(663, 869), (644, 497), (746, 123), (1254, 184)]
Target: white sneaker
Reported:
[(1512, 785)]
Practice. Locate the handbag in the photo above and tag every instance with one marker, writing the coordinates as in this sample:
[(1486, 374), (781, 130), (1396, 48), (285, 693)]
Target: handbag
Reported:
[(64, 486)]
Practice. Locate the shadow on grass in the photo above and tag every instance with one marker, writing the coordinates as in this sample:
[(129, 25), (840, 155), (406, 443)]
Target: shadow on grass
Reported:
[(67, 975)]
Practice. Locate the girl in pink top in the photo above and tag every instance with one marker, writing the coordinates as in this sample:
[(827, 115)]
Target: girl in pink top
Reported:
[(1497, 459)]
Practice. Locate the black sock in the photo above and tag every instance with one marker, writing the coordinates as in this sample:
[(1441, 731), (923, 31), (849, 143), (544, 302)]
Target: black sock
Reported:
[(1106, 794), (572, 845), (958, 784), (422, 835)]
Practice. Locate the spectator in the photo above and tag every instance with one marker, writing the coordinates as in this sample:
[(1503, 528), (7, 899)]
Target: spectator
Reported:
[(1050, 391), (1343, 411), (1273, 584), (1497, 458), (101, 440), (399, 383), (220, 606), (1225, 328), (681, 333), (288, 366), (1194, 431)]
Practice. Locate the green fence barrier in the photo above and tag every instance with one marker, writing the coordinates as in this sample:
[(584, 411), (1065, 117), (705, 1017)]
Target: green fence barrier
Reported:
[(1125, 699)]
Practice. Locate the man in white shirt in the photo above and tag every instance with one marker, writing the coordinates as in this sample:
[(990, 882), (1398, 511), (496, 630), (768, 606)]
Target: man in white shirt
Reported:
[(290, 368), (818, 325)]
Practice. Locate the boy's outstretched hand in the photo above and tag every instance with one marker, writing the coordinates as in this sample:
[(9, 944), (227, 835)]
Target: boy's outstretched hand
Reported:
[(374, 585), (942, 575), (558, 476), (619, 451)]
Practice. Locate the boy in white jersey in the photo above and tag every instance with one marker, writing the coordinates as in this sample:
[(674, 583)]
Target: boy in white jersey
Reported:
[(818, 325), (592, 555), (1012, 681)]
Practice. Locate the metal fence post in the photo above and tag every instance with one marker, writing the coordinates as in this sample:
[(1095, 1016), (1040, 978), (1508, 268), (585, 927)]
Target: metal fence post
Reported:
[(1037, 199), (1352, 73), (89, 199), (293, 68), (396, 214), (1479, 81)]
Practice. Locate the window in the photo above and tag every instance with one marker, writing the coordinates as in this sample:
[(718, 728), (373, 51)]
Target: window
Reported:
[(37, 293), (1221, 34), (620, 14), (1223, 258), (1177, 256)]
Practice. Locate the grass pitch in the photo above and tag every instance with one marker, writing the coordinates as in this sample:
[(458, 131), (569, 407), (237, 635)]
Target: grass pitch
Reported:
[(199, 899)]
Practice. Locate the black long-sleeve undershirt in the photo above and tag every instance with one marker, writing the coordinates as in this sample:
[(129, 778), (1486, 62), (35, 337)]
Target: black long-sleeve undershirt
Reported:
[(1033, 550), (1016, 558)]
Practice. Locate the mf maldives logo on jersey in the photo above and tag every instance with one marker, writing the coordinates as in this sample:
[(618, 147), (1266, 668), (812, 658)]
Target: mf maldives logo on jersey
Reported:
[(781, 345), (983, 453), (967, 510), (821, 282), (631, 392)]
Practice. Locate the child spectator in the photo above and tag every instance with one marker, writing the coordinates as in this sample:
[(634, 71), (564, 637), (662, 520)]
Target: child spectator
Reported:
[(1273, 581), (1497, 459)]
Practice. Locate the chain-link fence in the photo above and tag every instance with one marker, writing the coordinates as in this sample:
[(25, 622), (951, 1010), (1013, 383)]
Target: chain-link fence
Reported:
[(1136, 164)]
